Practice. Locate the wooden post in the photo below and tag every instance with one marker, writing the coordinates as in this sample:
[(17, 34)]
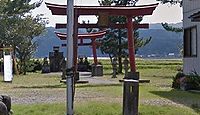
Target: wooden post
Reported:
[(131, 95)]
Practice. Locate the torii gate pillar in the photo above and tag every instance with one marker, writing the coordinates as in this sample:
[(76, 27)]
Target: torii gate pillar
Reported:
[(131, 83), (94, 52), (131, 43)]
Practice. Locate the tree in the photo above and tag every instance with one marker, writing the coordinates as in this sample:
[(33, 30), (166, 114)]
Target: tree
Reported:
[(166, 25), (173, 2), (27, 47), (115, 43), (18, 28)]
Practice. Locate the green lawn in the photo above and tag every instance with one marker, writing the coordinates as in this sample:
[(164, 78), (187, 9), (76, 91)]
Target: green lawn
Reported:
[(156, 97), (98, 108)]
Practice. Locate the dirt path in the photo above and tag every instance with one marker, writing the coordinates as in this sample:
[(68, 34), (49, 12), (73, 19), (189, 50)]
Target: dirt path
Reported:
[(58, 95)]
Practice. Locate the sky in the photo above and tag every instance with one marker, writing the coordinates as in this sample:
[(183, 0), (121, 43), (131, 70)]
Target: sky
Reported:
[(163, 13)]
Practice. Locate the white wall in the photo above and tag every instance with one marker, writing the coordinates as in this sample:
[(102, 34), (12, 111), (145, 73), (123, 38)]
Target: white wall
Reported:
[(190, 7)]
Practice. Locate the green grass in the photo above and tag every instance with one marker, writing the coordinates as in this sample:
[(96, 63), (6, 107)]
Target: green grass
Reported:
[(165, 110), (39, 109), (107, 99), (32, 80), (98, 108)]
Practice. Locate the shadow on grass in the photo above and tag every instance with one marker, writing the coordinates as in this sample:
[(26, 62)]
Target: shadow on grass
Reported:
[(163, 77), (97, 85), (64, 86), (188, 99), (42, 86)]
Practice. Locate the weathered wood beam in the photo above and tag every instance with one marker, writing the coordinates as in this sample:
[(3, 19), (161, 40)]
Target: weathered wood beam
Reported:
[(136, 26)]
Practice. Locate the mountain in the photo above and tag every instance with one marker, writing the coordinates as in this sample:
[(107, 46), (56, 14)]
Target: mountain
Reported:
[(162, 43), (159, 26)]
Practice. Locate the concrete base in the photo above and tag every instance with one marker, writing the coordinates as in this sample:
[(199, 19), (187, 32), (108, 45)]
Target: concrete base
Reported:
[(97, 70)]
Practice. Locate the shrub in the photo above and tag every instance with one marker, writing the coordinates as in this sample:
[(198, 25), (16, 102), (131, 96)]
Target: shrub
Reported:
[(38, 65), (193, 81), (186, 82), (33, 66), (176, 80)]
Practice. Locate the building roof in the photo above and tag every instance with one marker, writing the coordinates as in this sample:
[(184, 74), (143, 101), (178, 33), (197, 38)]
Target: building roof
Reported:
[(195, 17)]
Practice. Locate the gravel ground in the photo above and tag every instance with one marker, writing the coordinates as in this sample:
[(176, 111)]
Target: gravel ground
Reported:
[(58, 95)]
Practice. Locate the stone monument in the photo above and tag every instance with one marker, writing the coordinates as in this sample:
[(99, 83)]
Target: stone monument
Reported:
[(55, 58)]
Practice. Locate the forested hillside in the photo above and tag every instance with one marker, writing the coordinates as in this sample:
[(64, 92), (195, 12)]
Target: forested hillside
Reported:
[(162, 43)]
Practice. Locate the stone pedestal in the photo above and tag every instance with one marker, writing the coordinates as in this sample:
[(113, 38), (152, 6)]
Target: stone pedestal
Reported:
[(45, 69), (97, 70), (131, 94)]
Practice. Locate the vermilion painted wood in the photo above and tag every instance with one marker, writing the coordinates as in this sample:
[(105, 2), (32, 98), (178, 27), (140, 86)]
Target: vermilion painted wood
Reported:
[(131, 47), (128, 11), (93, 35), (110, 10), (135, 26), (94, 51)]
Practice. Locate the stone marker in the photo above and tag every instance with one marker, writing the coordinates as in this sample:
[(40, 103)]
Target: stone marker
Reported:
[(45, 66), (114, 65), (126, 67)]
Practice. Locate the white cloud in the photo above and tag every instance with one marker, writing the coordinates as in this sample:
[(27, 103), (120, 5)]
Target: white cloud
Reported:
[(163, 13)]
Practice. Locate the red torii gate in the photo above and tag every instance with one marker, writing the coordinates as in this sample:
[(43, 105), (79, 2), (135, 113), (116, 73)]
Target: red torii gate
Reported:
[(93, 36), (128, 11)]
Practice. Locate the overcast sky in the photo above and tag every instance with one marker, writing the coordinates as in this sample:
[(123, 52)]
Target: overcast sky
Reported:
[(163, 13)]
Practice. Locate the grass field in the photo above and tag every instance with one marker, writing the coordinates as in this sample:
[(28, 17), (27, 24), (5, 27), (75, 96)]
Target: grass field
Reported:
[(156, 97)]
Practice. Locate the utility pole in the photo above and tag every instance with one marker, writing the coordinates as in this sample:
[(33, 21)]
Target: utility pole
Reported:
[(69, 76)]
